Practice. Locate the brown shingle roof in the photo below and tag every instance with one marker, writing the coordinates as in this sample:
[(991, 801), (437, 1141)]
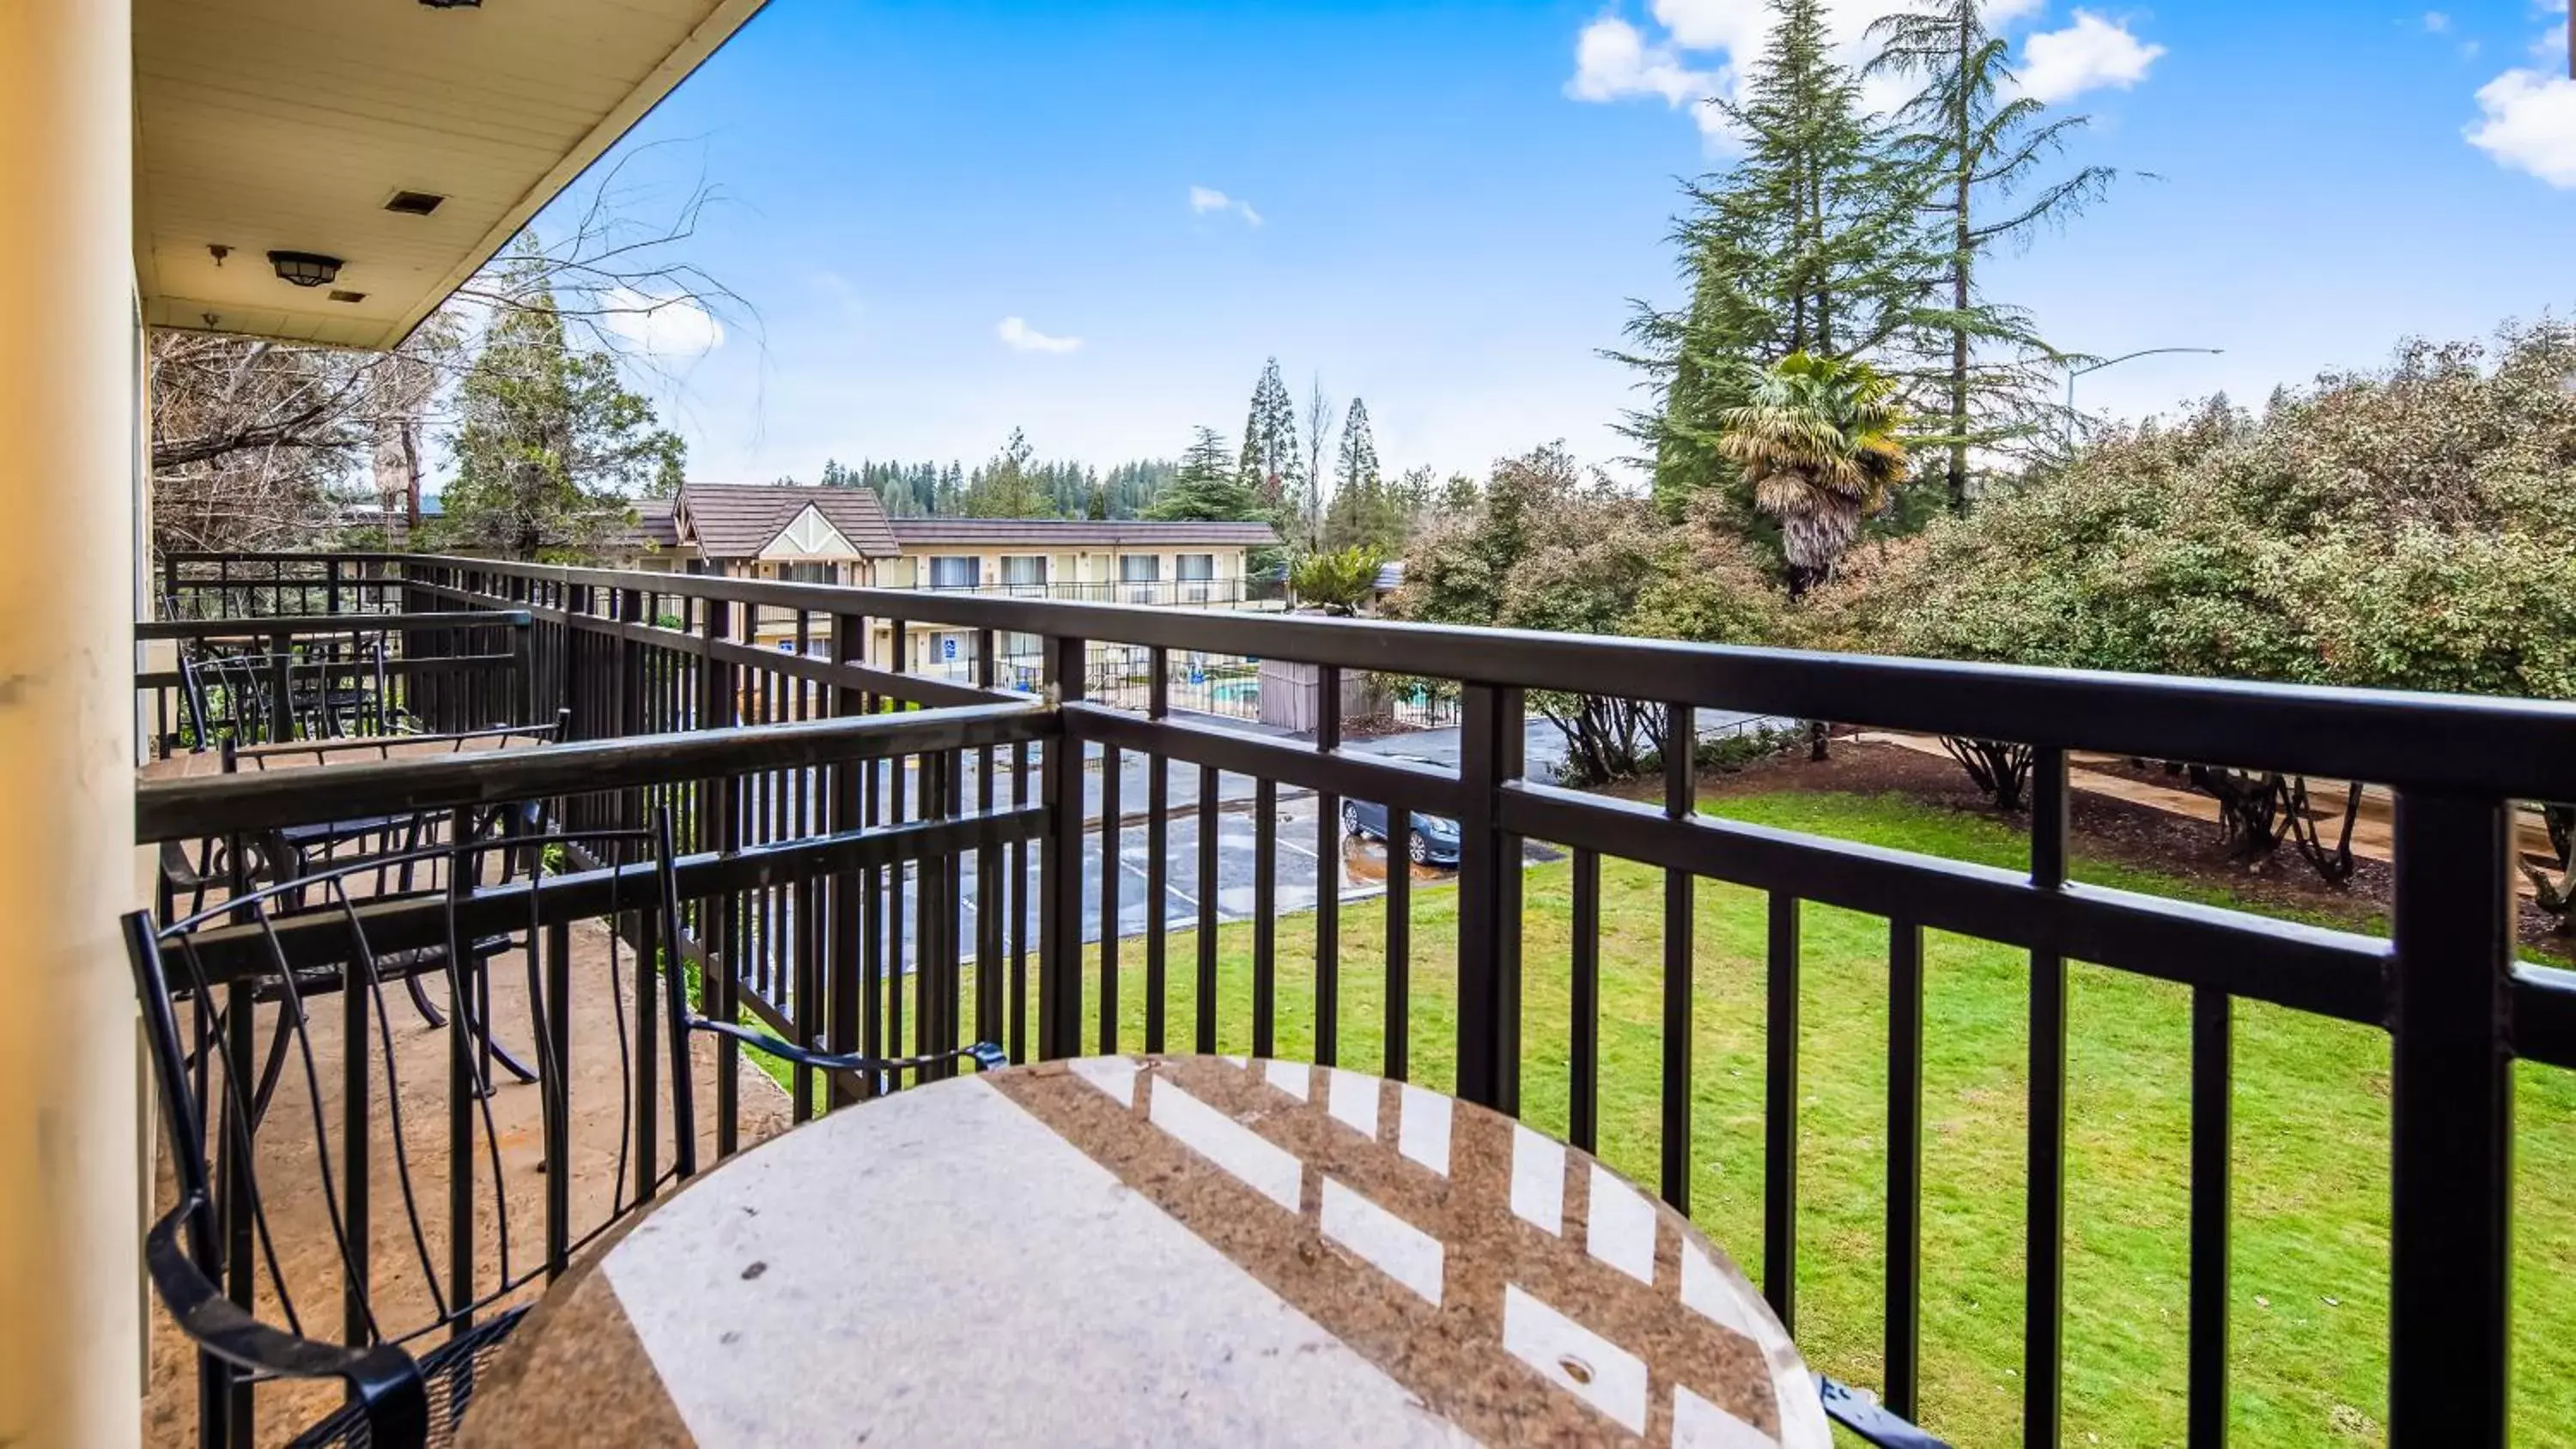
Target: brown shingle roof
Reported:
[(653, 528), (1080, 532), (738, 520)]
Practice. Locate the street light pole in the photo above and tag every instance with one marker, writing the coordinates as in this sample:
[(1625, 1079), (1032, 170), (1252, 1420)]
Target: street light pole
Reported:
[(2072, 373)]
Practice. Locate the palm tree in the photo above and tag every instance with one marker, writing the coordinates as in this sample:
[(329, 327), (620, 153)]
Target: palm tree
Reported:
[(1817, 442)]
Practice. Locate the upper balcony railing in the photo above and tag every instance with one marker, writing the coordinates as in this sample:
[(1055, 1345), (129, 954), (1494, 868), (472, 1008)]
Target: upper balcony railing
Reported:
[(1233, 593), (806, 923)]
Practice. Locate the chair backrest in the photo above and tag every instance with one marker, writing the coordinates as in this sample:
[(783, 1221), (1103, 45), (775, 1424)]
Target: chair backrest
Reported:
[(230, 695), (316, 1160)]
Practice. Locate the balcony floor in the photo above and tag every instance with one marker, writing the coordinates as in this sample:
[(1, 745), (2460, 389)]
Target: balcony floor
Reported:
[(292, 1188)]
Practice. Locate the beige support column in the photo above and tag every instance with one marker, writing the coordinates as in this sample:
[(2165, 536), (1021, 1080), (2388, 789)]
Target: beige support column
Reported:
[(69, 418)]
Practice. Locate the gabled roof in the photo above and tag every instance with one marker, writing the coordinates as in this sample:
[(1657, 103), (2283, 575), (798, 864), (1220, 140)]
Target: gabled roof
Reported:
[(741, 520), (1081, 533), (654, 527)]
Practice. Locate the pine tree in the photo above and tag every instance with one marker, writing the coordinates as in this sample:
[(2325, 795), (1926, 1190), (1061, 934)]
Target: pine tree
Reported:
[(1007, 487), (1356, 465), (1361, 514), (552, 447), (1208, 485), (1981, 142), (1809, 243), (1461, 495), (1273, 464)]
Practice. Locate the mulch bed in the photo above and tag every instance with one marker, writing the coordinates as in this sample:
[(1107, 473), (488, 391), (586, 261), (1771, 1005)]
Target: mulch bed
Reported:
[(2104, 829)]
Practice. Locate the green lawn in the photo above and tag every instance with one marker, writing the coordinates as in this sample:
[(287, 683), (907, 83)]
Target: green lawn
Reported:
[(2310, 1302)]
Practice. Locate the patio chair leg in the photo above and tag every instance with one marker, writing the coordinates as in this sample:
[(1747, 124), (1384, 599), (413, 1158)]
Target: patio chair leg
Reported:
[(429, 1011), (490, 1049), (288, 1018)]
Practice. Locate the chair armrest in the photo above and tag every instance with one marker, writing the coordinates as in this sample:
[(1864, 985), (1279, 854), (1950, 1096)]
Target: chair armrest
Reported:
[(1864, 1416), (384, 1378), (986, 1056)]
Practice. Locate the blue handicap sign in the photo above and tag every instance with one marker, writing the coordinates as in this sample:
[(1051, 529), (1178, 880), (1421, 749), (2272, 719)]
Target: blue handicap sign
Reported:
[(948, 647)]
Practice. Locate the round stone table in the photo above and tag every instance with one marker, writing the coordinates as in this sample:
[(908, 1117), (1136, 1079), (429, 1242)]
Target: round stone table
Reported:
[(1156, 1250)]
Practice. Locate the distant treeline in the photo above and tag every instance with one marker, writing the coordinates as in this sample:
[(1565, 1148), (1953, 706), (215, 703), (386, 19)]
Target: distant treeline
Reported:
[(1063, 489)]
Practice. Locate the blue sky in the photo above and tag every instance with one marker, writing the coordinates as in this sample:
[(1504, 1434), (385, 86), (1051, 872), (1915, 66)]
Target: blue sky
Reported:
[(1095, 221)]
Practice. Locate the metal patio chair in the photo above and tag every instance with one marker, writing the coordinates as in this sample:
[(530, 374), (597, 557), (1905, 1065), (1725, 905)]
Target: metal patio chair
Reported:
[(688, 1019), (214, 1256)]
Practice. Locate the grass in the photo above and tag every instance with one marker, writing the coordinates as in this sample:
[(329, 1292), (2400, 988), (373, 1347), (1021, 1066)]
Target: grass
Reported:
[(2309, 1305)]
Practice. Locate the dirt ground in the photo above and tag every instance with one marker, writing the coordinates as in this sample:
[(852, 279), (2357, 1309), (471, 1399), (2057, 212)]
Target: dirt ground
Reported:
[(402, 1258), (2105, 828)]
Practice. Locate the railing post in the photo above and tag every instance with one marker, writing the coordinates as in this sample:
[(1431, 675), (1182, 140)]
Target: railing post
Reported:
[(1681, 896), (523, 664), (2452, 1081), (844, 991), (719, 829), (580, 601), (1489, 881), (627, 709), (281, 704), (1060, 862), (2044, 1263)]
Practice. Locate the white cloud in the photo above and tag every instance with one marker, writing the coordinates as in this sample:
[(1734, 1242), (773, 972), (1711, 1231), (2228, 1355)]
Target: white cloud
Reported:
[(1019, 336), (1204, 199), (2551, 48), (2436, 23), (1737, 27), (1702, 49), (2528, 117), (2059, 65), (1612, 61), (660, 326), (2530, 124)]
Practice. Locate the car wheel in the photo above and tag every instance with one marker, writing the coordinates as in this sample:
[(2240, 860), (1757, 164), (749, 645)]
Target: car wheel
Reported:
[(1350, 818), (1417, 849)]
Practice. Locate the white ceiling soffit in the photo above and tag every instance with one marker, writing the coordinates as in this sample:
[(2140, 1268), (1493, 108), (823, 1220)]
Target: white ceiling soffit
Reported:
[(287, 125)]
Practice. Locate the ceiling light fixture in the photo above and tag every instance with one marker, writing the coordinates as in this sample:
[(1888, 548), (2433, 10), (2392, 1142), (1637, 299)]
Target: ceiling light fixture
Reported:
[(304, 269)]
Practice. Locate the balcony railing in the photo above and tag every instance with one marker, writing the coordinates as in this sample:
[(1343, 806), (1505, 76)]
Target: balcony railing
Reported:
[(1150, 593), (269, 677), (824, 879)]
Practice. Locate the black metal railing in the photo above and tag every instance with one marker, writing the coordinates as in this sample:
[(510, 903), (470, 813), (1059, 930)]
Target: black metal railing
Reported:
[(269, 585), (276, 677), (635, 654), (1225, 593)]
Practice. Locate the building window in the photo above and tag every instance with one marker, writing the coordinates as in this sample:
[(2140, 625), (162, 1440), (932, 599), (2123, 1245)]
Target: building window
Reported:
[(1140, 568), (953, 572), (1194, 567), (1025, 570), (811, 573)]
